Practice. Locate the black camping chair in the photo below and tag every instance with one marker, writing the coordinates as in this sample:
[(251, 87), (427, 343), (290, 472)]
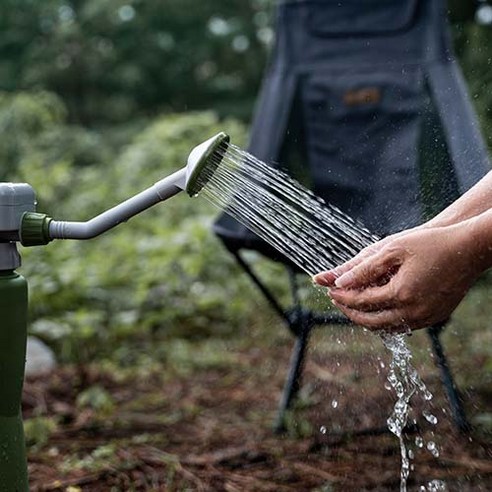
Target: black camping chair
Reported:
[(368, 94)]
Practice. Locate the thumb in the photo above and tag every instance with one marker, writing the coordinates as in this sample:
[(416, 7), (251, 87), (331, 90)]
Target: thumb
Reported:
[(369, 271)]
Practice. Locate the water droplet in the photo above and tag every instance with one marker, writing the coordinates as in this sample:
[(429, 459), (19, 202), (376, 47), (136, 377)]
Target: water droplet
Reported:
[(419, 442), (315, 236), (436, 486), (431, 446), (334, 404), (427, 395), (432, 419)]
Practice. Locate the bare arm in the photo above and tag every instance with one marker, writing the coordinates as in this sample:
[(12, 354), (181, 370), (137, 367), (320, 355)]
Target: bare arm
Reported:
[(475, 201), (417, 279)]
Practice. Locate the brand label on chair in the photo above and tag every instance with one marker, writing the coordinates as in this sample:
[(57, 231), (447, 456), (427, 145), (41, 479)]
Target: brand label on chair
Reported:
[(359, 97)]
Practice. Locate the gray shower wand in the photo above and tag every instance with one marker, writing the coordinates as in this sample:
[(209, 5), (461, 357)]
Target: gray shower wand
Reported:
[(38, 229)]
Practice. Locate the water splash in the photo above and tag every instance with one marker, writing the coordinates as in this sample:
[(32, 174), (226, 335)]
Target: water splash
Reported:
[(315, 236), (311, 233), (406, 382), (434, 486)]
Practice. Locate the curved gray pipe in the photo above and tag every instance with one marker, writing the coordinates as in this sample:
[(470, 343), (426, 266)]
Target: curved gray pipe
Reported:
[(207, 155), (160, 191)]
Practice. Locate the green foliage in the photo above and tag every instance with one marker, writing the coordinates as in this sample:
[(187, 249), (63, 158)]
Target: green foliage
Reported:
[(101, 458), (23, 117), (37, 134), (38, 430), (474, 48), (110, 58), (96, 398), (128, 61), (163, 272)]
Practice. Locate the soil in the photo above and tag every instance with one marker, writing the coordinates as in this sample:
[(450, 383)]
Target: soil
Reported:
[(210, 429)]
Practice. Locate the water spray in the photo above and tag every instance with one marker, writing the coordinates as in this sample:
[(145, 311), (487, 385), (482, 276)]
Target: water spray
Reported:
[(20, 223)]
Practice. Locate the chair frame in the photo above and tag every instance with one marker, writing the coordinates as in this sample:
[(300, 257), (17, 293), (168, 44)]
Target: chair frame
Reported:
[(300, 321)]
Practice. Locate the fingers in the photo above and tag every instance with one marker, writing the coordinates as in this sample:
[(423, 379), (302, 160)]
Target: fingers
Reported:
[(325, 279), (367, 300), (368, 272), (328, 278), (376, 320)]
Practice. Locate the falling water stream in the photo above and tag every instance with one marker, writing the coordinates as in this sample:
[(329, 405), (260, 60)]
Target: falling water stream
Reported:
[(316, 236)]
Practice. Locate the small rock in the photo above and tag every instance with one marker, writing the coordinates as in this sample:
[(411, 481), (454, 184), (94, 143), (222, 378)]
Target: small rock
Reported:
[(40, 359)]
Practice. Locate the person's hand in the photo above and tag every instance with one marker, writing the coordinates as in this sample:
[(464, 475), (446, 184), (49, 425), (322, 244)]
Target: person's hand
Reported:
[(411, 281), (328, 278)]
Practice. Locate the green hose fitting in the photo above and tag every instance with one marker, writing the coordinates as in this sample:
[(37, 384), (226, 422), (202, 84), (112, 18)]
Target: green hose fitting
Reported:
[(35, 229)]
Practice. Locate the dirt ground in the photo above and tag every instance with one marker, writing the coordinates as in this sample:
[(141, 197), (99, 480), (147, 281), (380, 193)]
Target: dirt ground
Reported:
[(207, 425)]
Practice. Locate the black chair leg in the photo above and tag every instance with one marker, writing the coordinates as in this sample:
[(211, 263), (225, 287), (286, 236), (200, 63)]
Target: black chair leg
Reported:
[(293, 381), (455, 402), (301, 326)]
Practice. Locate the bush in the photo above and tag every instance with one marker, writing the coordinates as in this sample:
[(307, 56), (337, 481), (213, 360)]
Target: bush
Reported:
[(39, 136), (164, 271)]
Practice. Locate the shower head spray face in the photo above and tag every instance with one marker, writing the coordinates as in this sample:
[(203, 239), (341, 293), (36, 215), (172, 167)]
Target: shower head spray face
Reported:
[(203, 161)]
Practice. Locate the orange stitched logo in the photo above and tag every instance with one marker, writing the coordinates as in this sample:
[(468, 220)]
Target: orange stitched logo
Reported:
[(359, 97)]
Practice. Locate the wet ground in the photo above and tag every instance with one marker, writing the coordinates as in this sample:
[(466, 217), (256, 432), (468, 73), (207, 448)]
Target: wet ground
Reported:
[(199, 417)]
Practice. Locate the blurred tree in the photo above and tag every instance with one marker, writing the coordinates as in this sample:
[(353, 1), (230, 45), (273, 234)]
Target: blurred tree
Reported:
[(37, 129), (108, 58), (112, 60)]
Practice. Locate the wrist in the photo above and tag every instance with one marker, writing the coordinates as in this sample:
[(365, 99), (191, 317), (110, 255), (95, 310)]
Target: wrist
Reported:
[(477, 232), (444, 219)]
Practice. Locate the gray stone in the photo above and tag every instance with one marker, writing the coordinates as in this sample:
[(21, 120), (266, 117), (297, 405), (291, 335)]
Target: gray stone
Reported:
[(40, 359)]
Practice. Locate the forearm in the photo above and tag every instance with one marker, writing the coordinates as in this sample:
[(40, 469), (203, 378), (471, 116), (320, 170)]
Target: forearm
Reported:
[(480, 239), (474, 202)]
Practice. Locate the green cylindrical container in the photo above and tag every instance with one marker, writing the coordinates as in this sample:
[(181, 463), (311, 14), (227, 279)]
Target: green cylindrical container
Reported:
[(13, 338)]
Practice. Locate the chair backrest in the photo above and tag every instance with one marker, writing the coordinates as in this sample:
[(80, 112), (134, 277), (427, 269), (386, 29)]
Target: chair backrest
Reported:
[(358, 86)]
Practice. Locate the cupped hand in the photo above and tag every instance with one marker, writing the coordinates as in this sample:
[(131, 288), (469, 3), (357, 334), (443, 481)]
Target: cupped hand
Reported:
[(329, 278), (410, 281)]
